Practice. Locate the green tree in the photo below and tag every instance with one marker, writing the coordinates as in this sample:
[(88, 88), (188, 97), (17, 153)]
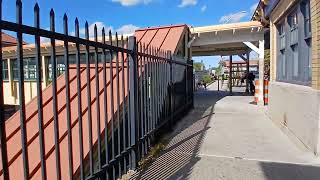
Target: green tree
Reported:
[(198, 66), (207, 79)]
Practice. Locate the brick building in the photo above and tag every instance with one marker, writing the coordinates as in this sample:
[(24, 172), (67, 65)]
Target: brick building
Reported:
[(294, 67)]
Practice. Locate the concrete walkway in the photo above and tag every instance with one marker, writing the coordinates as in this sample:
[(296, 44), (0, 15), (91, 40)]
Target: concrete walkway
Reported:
[(225, 137)]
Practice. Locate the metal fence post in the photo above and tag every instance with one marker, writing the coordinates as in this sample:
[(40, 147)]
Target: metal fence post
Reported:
[(192, 95), (133, 90), (3, 136), (171, 100)]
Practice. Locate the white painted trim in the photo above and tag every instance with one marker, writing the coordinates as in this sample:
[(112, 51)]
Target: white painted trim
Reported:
[(252, 46)]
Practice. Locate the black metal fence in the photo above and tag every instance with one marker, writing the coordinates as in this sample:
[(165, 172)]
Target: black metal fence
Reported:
[(97, 120)]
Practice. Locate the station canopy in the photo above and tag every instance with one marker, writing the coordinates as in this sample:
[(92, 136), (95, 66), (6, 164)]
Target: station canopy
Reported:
[(226, 39)]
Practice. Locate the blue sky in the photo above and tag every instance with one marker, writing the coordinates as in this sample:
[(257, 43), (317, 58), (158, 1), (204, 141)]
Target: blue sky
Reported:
[(127, 15)]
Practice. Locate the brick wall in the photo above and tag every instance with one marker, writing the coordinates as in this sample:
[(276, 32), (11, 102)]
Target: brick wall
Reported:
[(315, 23)]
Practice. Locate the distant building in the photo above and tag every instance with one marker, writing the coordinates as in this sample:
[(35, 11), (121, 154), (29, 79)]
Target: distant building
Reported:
[(240, 66)]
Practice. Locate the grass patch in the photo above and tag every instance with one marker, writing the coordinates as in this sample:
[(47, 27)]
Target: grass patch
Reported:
[(153, 154)]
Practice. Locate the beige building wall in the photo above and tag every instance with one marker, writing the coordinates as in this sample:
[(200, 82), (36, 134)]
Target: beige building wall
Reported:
[(315, 20), (295, 108)]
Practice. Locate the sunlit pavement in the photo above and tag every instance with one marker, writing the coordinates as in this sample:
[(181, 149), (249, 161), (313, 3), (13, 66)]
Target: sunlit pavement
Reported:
[(226, 137)]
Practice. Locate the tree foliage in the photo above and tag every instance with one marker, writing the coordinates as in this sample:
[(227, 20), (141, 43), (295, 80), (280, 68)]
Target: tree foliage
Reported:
[(198, 66), (207, 79)]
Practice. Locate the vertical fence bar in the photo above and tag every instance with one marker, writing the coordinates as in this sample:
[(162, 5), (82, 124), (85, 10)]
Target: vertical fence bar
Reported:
[(141, 100), (124, 145), (3, 136), (105, 102), (112, 104), (145, 61), (68, 106), (39, 92), (157, 85), (21, 93), (79, 101), (133, 101), (192, 94), (155, 88), (97, 97), (54, 96), (162, 86), (118, 104), (186, 82), (171, 100), (145, 76), (128, 102), (89, 100), (151, 89), (169, 86)]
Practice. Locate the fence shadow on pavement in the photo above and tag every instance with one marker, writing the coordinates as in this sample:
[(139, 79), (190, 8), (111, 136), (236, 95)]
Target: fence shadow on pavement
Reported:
[(181, 154)]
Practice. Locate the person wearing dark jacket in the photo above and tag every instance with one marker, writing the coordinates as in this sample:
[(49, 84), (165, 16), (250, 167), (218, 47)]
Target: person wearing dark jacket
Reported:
[(251, 78)]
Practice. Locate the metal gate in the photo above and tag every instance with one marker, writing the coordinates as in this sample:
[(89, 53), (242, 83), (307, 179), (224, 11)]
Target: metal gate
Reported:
[(100, 117)]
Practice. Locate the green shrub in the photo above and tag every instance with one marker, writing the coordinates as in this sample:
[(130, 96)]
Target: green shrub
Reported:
[(207, 79)]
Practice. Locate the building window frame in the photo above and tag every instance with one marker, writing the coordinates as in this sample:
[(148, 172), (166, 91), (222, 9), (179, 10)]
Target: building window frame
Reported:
[(293, 22), (5, 70), (294, 46), (306, 12)]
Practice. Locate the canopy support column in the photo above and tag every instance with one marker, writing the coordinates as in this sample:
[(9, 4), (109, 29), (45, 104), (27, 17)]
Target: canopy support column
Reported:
[(247, 71), (230, 75), (260, 51)]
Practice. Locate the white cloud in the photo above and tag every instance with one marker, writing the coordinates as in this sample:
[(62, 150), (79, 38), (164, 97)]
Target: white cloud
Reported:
[(253, 7), (132, 2), (100, 25), (185, 3), (127, 29), (203, 8), (43, 39), (233, 18)]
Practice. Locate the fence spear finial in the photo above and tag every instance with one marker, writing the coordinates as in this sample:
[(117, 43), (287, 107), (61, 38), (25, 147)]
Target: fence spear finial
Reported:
[(95, 32), (103, 36), (87, 30), (65, 17), (36, 16), (65, 23), (52, 24), (36, 7), (76, 22), (110, 37)]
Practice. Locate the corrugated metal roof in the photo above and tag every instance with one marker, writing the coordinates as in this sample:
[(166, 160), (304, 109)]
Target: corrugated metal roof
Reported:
[(166, 37)]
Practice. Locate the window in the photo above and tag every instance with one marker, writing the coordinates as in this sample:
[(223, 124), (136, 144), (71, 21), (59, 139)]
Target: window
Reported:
[(308, 70), (29, 69), (283, 64), (294, 46), (305, 8), (293, 22), (15, 69), (5, 71), (295, 61), (282, 36)]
